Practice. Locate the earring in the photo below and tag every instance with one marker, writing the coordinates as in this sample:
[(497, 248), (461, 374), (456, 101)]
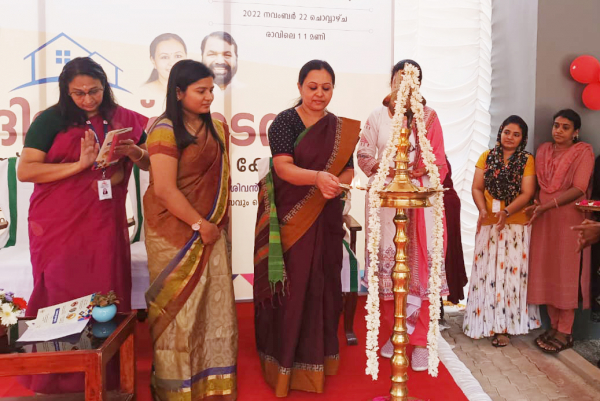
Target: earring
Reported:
[(575, 138)]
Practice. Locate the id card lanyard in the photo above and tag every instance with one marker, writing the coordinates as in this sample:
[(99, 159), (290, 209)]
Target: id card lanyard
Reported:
[(104, 187)]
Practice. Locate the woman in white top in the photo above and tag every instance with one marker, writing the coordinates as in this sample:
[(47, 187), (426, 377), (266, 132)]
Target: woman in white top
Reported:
[(420, 230)]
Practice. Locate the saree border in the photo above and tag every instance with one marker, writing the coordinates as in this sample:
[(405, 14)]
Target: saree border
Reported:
[(301, 376)]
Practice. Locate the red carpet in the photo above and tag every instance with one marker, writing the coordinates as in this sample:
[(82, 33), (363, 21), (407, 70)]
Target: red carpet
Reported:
[(350, 384)]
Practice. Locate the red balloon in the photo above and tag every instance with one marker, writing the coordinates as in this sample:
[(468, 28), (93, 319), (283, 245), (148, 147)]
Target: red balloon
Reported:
[(585, 69), (591, 96)]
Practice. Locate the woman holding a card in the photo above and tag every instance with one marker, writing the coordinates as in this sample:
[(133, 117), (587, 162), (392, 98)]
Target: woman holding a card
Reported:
[(191, 304), (77, 219), (504, 184)]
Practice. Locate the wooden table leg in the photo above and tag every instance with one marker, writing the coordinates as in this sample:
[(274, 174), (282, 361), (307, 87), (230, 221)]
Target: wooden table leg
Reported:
[(95, 380), (350, 299), (127, 355)]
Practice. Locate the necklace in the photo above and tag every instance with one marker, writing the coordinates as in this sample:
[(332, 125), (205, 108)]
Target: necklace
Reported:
[(195, 131), (560, 149), (307, 114), (306, 118)]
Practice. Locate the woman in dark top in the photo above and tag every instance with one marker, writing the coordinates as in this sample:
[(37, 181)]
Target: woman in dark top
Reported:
[(299, 233)]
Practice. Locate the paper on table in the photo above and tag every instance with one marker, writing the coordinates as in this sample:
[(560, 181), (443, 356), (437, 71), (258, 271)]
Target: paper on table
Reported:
[(73, 342), (59, 320), (52, 332), (65, 313)]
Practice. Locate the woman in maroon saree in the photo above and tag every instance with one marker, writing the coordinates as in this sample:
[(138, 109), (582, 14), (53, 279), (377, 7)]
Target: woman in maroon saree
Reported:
[(79, 243), (455, 261), (298, 247)]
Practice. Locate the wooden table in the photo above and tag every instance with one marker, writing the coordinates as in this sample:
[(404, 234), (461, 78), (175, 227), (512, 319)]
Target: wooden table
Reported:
[(91, 361)]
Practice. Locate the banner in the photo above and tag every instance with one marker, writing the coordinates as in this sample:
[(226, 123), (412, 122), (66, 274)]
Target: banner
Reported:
[(255, 48)]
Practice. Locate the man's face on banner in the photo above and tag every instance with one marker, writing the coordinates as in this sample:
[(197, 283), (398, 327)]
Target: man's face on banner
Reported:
[(220, 57)]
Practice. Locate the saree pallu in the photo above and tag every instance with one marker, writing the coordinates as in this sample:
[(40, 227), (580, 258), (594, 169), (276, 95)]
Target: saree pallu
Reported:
[(191, 302), (80, 244), (296, 321)]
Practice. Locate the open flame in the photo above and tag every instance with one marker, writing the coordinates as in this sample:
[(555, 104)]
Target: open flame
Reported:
[(356, 183)]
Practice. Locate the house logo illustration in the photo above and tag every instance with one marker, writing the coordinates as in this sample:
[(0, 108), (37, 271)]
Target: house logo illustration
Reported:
[(48, 60)]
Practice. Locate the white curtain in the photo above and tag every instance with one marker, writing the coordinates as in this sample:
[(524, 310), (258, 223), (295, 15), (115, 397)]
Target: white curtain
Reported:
[(452, 42)]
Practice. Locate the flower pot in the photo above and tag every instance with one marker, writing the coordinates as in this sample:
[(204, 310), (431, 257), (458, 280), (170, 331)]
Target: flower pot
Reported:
[(104, 313)]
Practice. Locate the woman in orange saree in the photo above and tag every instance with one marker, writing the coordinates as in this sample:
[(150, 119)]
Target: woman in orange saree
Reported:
[(191, 304), (298, 245)]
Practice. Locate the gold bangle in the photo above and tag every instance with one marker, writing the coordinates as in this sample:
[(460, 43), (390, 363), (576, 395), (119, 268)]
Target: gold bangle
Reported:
[(141, 157)]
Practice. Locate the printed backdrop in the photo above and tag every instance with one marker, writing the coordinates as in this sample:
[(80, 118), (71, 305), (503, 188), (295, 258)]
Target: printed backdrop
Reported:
[(274, 39)]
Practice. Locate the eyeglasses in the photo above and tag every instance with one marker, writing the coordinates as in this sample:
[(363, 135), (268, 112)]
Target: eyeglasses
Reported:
[(79, 95)]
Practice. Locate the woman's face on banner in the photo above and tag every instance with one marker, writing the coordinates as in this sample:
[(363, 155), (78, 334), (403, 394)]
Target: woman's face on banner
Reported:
[(168, 52), (317, 90), (198, 96), (511, 137), (87, 93)]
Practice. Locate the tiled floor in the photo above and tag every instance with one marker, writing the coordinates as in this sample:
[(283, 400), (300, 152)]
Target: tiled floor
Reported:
[(518, 371)]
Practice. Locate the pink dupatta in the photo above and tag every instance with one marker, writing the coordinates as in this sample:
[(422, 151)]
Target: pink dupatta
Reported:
[(423, 224), (553, 173)]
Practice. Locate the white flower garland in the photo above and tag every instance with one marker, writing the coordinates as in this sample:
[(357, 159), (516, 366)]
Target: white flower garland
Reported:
[(435, 282), (408, 86), (377, 185)]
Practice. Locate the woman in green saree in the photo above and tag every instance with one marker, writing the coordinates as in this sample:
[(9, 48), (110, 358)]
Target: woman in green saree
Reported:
[(191, 304)]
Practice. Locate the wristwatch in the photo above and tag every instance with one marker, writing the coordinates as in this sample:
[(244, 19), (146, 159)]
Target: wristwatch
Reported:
[(196, 226)]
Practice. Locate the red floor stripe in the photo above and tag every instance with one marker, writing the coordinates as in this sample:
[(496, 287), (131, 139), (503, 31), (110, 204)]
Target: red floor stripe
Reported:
[(350, 384)]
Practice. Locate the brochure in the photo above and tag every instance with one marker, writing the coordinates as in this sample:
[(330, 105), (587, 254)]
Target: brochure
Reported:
[(106, 156), (59, 320)]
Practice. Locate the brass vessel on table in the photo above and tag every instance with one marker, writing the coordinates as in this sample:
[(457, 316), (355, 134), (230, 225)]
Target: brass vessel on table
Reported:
[(402, 194)]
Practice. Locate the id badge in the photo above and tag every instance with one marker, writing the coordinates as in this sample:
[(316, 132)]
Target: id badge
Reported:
[(104, 190), (496, 206)]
